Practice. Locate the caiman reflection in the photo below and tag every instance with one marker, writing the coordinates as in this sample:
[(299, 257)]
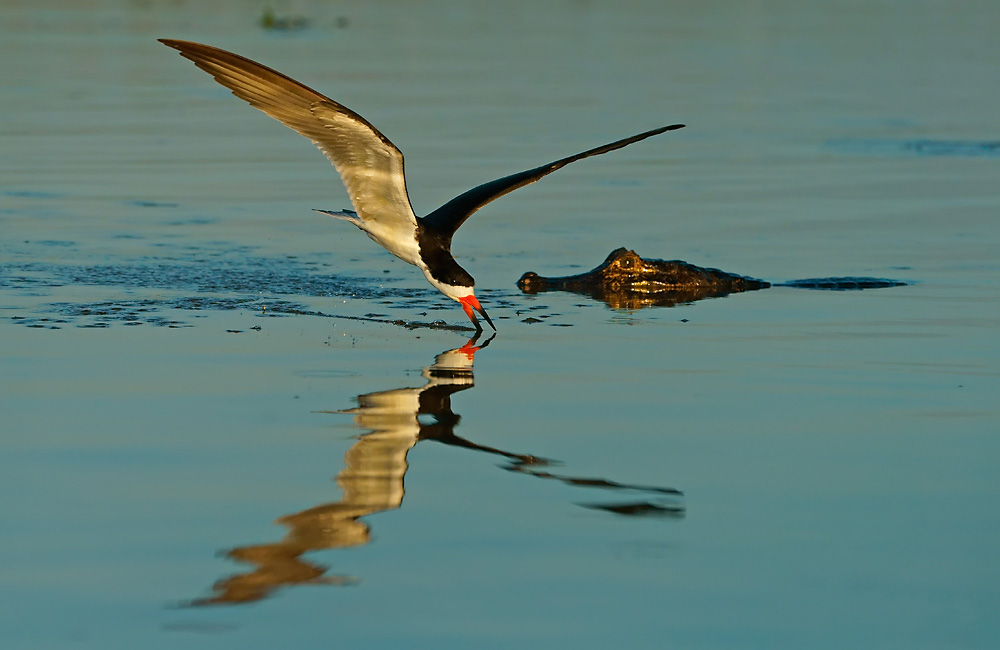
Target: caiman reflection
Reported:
[(372, 482)]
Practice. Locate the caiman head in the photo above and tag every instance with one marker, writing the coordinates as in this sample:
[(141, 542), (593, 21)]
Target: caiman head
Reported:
[(626, 280), (622, 267)]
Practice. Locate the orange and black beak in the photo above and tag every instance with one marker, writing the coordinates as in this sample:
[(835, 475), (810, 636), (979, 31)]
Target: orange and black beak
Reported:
[(468, 304)]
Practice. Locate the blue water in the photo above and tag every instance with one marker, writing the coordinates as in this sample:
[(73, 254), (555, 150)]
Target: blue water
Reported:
[(180, 334)]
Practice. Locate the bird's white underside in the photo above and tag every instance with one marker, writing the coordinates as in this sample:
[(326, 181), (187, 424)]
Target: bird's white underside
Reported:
[(453, 292), (405, 249)]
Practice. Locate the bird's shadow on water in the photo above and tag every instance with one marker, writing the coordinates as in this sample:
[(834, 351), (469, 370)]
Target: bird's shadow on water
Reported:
[(393, 422)]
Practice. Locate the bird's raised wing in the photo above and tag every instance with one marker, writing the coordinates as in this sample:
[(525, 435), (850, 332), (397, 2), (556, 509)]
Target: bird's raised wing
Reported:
[(369, 164), (453, 214)]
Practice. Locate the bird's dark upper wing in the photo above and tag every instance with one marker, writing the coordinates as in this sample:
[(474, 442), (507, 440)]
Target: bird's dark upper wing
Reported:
[(453, 214), (369, 164)]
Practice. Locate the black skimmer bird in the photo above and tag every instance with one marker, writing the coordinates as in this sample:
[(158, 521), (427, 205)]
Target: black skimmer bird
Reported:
[(372, 169)]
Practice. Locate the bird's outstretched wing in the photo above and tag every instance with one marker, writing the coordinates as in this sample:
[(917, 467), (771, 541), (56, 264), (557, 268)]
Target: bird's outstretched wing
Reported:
[(369, 164), (453, 214)]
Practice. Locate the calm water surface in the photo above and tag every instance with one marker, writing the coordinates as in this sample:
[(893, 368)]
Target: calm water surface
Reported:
[(214, 435)]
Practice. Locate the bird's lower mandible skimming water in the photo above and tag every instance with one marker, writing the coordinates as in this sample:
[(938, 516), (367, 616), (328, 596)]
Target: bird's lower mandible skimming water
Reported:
[(372, 169)]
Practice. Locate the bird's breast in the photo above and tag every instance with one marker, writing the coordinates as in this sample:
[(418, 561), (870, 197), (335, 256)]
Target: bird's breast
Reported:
[(398, 242)]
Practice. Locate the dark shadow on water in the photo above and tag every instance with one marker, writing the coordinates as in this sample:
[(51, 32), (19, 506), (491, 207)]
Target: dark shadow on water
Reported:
[(917, 147), (372, 482)]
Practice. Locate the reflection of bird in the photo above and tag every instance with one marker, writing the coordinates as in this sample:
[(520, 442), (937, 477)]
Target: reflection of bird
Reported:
[(372, 169), (372, 481)]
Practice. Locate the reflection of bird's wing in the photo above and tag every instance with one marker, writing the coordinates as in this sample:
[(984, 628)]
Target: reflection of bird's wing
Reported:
[(453, 214), (369, 164), (388, 412)]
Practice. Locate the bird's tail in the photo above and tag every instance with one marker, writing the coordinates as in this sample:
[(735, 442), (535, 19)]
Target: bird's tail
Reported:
[(346, 215)]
